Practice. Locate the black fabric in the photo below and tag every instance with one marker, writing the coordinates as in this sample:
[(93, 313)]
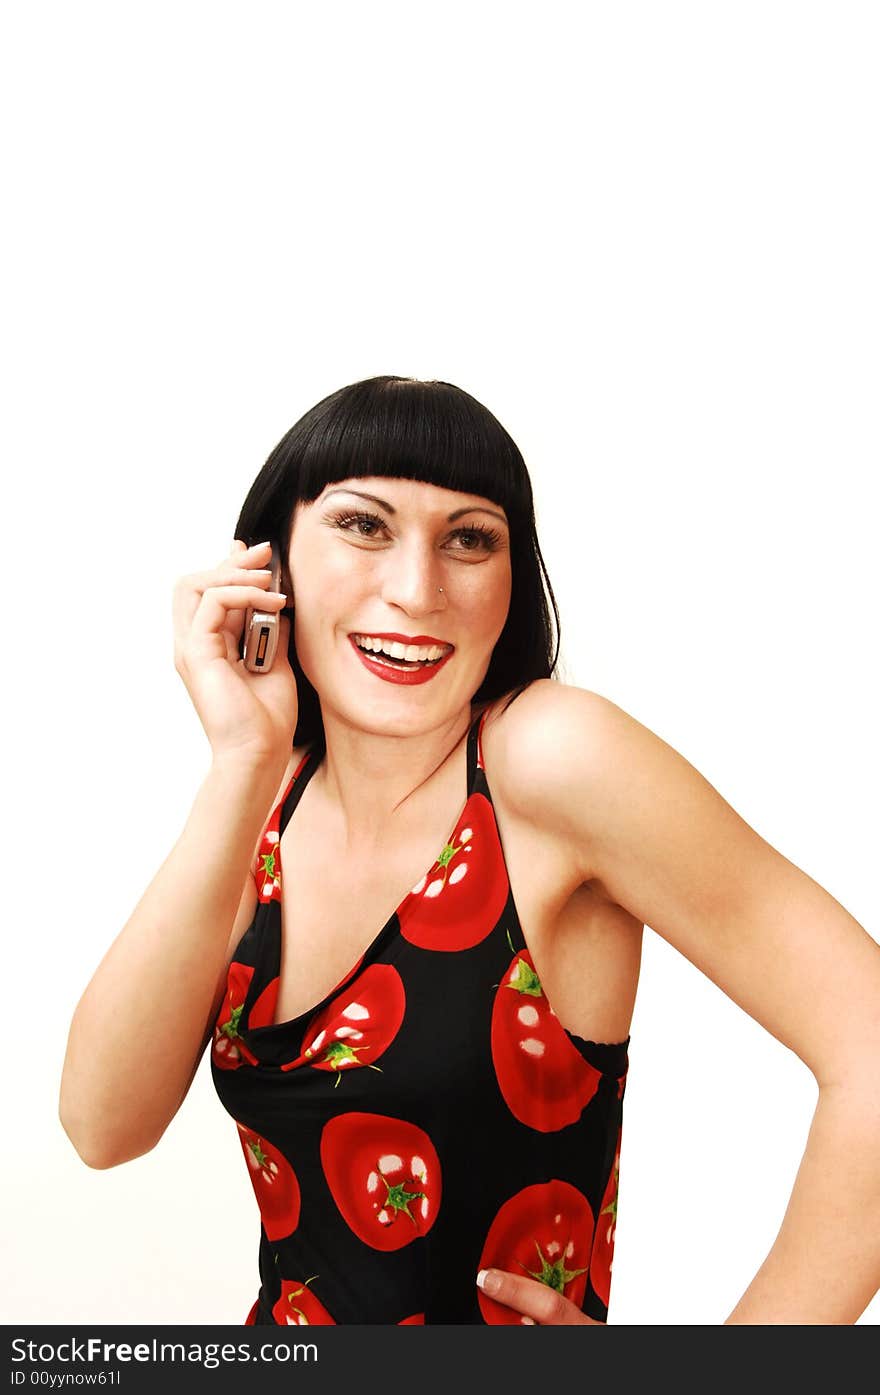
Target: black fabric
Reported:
[(517, 1111)]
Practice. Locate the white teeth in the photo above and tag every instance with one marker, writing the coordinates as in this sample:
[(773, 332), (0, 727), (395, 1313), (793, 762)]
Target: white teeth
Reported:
[(409, 653)]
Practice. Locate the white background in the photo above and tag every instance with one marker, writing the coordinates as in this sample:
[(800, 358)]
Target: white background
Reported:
[(645, 236)]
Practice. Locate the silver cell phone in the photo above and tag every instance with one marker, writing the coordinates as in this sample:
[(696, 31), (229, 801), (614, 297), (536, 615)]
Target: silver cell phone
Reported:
[(260, 634)]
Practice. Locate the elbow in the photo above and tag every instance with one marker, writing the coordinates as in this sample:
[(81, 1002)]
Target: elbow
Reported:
[(87, 1148), (98, 1151), (99, 1162), (84, 1147)]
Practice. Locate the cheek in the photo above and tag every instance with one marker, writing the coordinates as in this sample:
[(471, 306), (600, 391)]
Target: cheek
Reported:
[(313, 633), (326, 580), (486, 603), (328, 590), (331, 560)]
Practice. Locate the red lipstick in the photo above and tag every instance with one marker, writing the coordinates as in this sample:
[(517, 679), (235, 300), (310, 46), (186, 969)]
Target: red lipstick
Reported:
[(399, 675)]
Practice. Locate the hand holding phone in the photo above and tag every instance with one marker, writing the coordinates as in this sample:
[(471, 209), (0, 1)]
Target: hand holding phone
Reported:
[(229, 629)]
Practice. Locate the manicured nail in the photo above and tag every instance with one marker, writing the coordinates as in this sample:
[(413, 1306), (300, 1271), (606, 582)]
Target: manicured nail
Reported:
[(489, 1281)]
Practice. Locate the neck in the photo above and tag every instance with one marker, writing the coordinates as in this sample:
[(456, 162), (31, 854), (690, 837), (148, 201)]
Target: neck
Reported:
[(368, 780)]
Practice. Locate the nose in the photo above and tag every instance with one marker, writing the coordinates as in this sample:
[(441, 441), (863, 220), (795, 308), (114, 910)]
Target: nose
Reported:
[(412, 578)]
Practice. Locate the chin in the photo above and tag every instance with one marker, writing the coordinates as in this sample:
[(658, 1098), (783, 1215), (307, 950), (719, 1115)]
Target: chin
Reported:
[(364, 701), (394, 711)]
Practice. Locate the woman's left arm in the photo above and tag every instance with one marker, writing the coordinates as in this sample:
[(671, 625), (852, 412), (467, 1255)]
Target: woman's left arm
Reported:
[(670, 849)]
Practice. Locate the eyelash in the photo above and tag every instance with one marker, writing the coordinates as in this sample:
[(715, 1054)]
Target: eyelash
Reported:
[(489, 537)]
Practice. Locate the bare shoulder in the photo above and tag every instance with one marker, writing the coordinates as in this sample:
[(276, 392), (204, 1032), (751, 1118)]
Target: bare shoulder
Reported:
[(557, 754), (545, 696), (546, 732)]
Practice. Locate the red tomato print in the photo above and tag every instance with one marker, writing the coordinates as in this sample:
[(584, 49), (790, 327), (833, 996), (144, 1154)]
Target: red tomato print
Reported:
[(267, 874), (384, 1175), (545, 1081), (267, 868), (603, 1245), (544, 1232), (417, 1320), (275, 1184), (357, 1026), (459, 902), (229, 1051), (298, 1306)]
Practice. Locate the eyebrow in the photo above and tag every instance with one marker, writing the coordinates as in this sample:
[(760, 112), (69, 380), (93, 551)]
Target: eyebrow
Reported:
[(389, 508)]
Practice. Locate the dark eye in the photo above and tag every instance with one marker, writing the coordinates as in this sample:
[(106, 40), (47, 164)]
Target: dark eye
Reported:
[(477, 539), (471, 539), (360, 524)]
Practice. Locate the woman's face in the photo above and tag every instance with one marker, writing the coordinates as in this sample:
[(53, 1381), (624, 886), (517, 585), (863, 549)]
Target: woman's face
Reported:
[(368, 558)]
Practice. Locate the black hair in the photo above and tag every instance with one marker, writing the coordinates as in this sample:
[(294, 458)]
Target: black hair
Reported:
[(407, 428)]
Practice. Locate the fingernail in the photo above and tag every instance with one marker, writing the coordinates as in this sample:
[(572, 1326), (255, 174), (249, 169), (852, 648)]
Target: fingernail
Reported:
[(488, 1281), (528, 1322)]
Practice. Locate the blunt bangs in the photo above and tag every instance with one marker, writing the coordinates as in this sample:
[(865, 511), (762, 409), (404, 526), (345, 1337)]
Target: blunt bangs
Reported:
[(397, 428)]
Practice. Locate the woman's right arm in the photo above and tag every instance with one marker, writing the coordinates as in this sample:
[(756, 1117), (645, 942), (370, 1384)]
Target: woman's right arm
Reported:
[(139, 1029), (141, 1026)]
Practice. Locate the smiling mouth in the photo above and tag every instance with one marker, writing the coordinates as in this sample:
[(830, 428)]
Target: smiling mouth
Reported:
[(395, 654)]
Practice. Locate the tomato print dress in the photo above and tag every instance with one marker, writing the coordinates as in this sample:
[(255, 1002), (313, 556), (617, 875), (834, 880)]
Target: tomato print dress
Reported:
[(431, 1116)]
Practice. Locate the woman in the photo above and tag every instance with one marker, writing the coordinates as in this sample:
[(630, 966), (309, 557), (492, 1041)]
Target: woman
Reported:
[(421, 1027)]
